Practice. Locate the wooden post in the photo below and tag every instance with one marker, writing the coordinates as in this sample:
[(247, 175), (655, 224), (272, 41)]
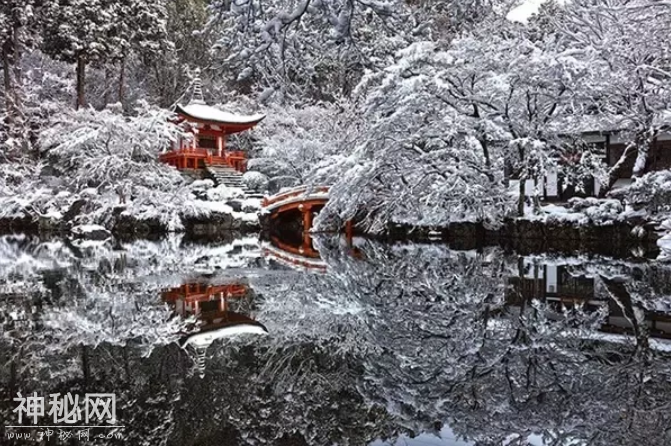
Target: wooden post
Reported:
[(81, 82), (307, 219), (349, 232)]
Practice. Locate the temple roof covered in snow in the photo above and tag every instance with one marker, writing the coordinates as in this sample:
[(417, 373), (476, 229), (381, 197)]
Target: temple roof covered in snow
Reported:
[(198, 110), (206, 337), (206, 113)]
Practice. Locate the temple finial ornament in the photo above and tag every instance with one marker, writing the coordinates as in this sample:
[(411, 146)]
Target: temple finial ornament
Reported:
[(197, 95)]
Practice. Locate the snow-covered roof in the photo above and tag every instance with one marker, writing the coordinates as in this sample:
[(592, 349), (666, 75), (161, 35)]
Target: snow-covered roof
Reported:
[(206, 338), (580, 124), (204, 112)]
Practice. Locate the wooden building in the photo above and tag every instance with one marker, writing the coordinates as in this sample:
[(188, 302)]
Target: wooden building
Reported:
[(222, 310), (557, 287), (609, 145), (210, 128)]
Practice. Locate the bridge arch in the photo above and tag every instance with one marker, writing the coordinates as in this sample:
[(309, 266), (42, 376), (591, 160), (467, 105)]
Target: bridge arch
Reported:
[(304, 199)]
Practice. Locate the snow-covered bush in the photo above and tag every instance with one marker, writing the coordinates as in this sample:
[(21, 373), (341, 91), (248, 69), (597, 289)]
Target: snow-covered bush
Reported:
[(395, 183), (651, 191), (106, 162), (293, 141), (105, 149), (223, 193), (598, 210), (199, 188), (256, 181)]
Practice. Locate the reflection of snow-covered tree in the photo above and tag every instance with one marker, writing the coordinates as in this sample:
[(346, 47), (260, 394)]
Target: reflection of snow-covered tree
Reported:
[(452, 351), (392, 339)]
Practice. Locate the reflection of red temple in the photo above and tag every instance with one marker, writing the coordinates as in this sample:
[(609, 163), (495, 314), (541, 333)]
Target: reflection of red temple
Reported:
[(221, 310)]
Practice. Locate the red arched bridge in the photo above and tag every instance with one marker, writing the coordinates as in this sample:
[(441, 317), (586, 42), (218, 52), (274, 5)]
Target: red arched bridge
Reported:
[(305, 199)]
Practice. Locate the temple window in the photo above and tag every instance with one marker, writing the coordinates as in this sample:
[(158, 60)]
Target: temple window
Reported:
[(207, 142)]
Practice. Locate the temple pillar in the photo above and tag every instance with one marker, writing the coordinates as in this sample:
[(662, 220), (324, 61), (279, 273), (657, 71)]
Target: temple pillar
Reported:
[(306, 247), (307, 218), (220, 145), (349, 231)]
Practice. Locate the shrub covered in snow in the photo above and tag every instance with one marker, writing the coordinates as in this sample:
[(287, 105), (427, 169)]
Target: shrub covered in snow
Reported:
[(597, 210), (223, 193), (255, 181), (103, 166), (652, 191), (199, 188)]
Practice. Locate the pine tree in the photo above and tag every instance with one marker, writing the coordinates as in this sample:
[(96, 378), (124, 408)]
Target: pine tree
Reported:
[(98, 31), (17, 19)]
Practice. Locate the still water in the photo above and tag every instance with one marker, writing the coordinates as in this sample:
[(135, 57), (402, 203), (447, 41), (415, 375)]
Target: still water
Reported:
[(321, 342)]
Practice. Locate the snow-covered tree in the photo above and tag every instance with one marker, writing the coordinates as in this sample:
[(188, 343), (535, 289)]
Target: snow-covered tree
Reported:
[(99, 31), (143, 25), (313, 50), (18, 22), (630, 38), (296, 145)]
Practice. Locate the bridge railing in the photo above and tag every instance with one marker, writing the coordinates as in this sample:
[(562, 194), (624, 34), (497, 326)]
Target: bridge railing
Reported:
[(292, 193)]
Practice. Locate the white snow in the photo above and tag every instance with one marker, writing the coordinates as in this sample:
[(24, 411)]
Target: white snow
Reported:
[(87, 229), (664, 244), (209, 113), (82, 229), (523, 12), (223, 192), (201, 340)]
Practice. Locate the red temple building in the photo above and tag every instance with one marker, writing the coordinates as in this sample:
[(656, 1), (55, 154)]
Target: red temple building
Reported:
[(221, 310), (210, 128)]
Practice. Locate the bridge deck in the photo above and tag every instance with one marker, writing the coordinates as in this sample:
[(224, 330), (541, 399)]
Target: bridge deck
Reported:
[(296, 196)]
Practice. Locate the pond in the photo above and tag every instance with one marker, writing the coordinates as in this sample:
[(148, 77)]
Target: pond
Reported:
[(324, 341)]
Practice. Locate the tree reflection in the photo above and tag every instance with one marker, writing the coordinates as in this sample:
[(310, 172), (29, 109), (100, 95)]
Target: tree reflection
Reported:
[(384, 340)]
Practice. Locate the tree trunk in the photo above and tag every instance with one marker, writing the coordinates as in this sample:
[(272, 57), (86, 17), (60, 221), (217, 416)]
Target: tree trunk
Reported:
[(616, 170), (11, 58), (108, 78), (86, 369), (16, 84), (485, 150), (81, 82), (644, 145), (521, 200), (9, 90), (122, 80)]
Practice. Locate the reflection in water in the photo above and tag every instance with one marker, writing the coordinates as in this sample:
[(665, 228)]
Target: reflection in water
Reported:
[(294, 254), (221, 310), (300, 252), (389, 344), (563, 289)]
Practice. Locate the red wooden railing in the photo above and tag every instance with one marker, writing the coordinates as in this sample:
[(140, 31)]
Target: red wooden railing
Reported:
[(198, 291), (188, 158), (295, 192)]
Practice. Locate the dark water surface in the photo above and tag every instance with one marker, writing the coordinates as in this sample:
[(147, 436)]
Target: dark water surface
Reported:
[(271, 343)]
